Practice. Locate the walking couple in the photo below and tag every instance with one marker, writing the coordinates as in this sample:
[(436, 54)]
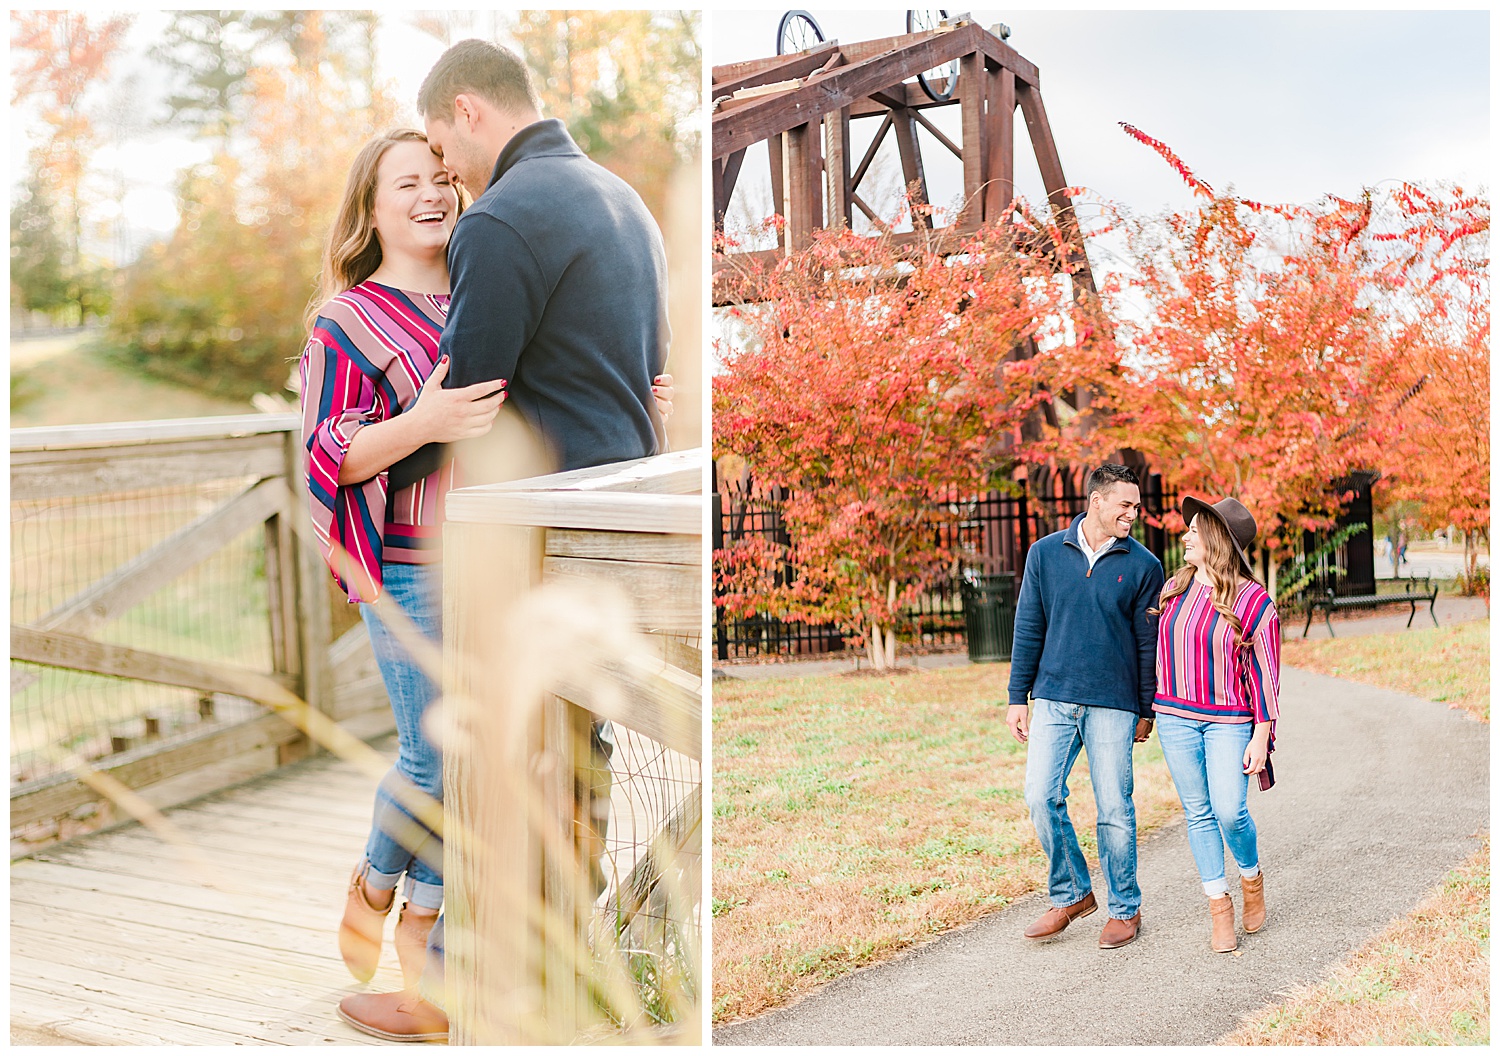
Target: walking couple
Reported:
[(1103, 647), (557, 305)]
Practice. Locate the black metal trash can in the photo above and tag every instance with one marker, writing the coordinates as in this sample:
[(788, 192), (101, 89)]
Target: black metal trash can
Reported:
[(989, 614)]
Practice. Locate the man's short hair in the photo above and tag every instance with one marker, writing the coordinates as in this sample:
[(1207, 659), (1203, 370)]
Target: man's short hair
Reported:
[(1107, 476), (478, 67)]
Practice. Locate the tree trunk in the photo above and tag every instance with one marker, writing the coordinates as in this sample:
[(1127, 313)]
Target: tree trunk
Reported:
[(876, 646)]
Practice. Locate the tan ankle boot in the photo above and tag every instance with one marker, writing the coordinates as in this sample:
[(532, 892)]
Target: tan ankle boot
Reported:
[(1223, 939), (360, 930), (1255, 902), (412, 930)]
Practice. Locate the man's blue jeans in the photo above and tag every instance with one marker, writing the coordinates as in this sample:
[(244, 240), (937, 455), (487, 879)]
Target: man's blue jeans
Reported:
[(1208, 768), (398, 842), (1058, 731)]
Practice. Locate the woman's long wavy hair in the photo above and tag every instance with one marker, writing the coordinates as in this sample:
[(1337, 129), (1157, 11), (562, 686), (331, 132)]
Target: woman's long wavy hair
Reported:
[(353, 250), (1224, 569)]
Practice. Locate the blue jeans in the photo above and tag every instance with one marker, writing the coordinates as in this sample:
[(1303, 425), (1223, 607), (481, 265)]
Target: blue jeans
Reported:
[(1207, 764), (1058, 731), (399, 843)]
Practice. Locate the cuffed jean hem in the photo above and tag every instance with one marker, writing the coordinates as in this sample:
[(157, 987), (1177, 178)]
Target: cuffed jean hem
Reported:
[(418, 892)]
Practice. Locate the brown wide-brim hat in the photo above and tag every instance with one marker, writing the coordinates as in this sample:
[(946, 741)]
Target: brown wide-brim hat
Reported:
[(1237, 520)]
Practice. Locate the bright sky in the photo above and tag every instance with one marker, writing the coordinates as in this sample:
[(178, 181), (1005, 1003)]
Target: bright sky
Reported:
[(1285, 106)]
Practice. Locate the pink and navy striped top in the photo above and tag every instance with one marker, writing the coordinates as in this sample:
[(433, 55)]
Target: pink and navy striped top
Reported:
[(1200, 672), (365, 361)]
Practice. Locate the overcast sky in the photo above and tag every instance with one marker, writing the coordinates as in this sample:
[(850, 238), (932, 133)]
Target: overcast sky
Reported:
[(1285, 106)]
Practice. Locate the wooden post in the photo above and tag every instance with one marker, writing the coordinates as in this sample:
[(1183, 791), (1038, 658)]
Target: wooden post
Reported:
[(1000, 116), (911, 164), (314, 623), (492, 859), (804, 183), (774, 146), (971, 84)]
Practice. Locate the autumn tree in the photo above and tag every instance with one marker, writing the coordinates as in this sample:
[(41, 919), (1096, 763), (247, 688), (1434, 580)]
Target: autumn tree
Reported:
[(58, 59), (1264, 361), (38, 278), (876, 383), (1439, 243), (219, 305)]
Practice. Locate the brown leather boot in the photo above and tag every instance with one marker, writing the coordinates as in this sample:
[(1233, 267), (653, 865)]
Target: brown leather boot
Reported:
[(1223, 939), (1057, 918), (412, 930), (402, 1016), (1119, 932), (1255, 902), (360, 930)]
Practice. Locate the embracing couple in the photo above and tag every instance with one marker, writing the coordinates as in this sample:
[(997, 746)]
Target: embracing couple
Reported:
[(483, 261), (1105, 647)]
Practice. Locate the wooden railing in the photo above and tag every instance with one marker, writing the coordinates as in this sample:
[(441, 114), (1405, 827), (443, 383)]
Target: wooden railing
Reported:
[(178, 493), (573, 879)]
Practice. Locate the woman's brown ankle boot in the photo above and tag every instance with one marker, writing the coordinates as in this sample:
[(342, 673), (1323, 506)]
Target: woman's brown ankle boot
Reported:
[(412, 930), (1223, 939), (1255, 902), (360, 930)]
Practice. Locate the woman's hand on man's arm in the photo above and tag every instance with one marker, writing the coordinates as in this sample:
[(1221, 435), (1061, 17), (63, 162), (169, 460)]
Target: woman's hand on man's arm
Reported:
[(439, 416)]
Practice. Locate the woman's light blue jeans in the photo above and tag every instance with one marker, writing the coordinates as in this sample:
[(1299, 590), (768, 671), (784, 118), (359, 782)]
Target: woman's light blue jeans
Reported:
[(1207, 764), (1058, 731), (399, 843)]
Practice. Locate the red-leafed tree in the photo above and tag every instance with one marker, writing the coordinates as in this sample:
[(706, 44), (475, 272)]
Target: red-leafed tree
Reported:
[(874, 382), (1440, 246), (1265, 359)]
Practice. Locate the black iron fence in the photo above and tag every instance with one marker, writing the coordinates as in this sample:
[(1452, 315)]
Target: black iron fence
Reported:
[(990, 532)]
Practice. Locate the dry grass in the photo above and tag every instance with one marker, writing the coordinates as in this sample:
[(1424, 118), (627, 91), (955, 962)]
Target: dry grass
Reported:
[(1423, 981), (857, 816), (1447, 664)]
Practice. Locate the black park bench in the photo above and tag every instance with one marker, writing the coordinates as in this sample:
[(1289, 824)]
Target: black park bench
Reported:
[(1410, 595)]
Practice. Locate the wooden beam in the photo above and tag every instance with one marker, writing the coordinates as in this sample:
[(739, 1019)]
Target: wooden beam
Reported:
[(911, 166), (673, 514), (841, 87), (663, 597), (908, 94), (776, 149), (840, 209), (663, 702), (172, 430), (971, 90), (76, 653), (56, 795), (937, 133), (1056, 183), (673, 473), (869, 158), (1000, 116), (726, 175), (804, 183), (731, 77), (996, 50), (59, 473), (146, 573)]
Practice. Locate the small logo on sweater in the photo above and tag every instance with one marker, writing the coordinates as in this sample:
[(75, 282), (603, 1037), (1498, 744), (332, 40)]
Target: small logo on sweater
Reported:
[(1119, 579)]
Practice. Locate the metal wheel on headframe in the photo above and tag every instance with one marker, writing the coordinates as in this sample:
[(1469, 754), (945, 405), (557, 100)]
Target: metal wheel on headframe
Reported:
[(798, 31), (939, 81)]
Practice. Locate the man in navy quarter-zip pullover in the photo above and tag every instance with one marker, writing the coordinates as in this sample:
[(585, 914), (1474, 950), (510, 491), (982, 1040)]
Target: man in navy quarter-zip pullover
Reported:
[(1085, 656)]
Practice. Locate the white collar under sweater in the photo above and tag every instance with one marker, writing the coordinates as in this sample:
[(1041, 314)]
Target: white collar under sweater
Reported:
[(1092, 555)]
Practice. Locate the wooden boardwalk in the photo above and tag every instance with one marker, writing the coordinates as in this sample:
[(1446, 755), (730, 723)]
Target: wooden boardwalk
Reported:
[(123, 938)]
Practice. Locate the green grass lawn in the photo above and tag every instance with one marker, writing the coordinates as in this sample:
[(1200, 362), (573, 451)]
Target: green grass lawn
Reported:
[(1450, 664), (856, 815)]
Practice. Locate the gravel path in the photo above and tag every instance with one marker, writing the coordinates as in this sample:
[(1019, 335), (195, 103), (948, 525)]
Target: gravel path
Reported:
[(1378, 794)]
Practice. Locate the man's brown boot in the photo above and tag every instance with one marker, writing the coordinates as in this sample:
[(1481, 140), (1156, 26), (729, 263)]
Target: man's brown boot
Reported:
[(402, 1016), (412, 930), (1255, 902), (1057, 918), (1119, 933), (1223, 939), (360, 930)]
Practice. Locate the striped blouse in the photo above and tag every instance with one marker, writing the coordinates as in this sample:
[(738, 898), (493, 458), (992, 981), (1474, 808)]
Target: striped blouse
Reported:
[(365, 361), (1201, 675)]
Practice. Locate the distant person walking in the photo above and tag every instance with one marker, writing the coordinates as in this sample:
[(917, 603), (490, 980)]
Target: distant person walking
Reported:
[(1085, 656), (1218, 667)]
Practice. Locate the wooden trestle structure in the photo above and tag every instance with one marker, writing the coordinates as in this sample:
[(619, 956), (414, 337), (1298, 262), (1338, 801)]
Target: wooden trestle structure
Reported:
[(802, 106)]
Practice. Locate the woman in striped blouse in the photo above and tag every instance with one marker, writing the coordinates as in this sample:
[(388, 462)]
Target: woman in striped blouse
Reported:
[(372, 394), (1218, 662)]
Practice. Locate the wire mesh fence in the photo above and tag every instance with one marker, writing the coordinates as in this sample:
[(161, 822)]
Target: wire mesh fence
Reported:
[(62, 549), (988, 532)]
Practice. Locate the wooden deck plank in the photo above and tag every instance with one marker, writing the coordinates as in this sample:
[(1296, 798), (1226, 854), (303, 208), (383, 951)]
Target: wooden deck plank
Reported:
[(116, 939)]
